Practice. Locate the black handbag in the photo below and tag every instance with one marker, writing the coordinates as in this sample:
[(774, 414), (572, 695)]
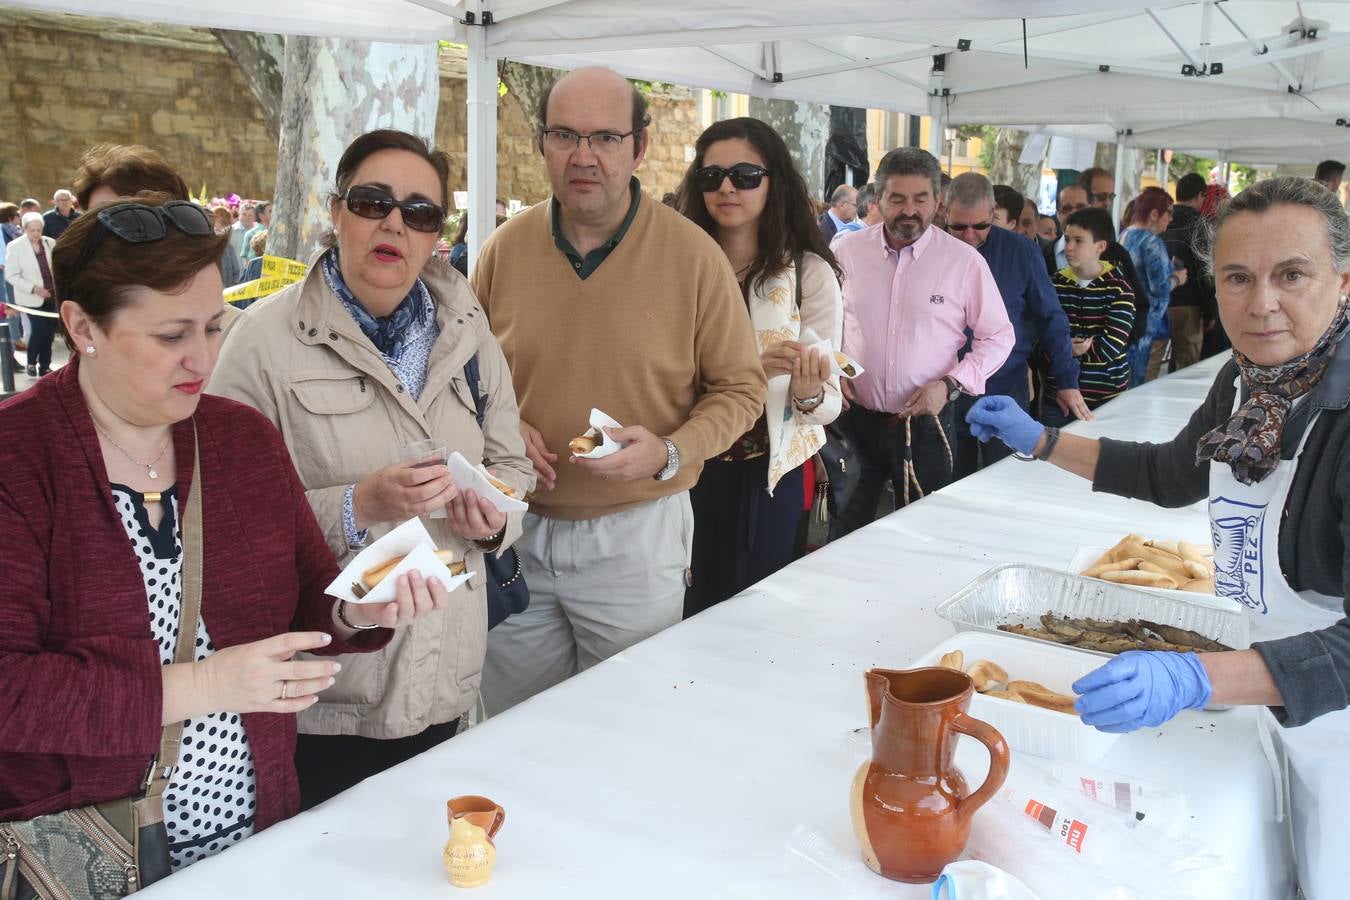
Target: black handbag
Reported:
[(111, 849), (507, 593)]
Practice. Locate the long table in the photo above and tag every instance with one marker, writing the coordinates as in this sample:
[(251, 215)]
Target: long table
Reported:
[(695, 763)]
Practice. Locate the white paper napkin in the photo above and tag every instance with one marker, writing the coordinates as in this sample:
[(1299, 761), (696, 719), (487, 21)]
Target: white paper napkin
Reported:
[(599, 422), (409, 540), (826, 349), (469, 477)]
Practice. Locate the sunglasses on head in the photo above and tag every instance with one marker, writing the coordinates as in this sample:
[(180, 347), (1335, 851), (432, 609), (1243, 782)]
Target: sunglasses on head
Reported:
[(744, 177), (137, 223), (978, 226), (374, 203)]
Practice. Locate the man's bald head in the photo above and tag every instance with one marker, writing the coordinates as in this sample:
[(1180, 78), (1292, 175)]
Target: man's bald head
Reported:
[(603, 88)]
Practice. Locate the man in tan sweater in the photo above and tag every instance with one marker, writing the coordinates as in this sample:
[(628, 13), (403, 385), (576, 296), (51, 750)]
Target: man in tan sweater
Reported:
[(602, 297)]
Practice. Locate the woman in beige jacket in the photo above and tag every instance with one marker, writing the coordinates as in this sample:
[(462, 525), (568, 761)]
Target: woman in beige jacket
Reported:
[(361, 358)]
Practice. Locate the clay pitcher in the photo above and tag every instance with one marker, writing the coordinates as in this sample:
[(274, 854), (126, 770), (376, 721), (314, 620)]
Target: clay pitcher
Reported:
[(911, 806), (470, 854)]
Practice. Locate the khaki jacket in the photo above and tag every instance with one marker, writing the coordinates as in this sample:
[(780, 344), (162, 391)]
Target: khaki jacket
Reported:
[(300, 358)]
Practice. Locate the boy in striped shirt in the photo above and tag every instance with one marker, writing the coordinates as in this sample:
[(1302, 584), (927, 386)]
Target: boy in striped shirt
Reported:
[(1100, 307)]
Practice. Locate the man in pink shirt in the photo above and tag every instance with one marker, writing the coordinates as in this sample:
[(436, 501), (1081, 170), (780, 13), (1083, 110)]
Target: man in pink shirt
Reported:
[(911, 292)]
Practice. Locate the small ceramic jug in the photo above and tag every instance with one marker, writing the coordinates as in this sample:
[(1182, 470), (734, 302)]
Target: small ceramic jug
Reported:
[(911, 807), (470, 854)]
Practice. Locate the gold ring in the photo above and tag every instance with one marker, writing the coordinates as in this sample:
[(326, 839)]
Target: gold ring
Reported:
[(285, 686)]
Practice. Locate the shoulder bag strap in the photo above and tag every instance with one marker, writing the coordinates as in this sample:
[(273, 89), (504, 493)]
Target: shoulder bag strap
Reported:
[(797, 276), (479, 401), (161, 770)]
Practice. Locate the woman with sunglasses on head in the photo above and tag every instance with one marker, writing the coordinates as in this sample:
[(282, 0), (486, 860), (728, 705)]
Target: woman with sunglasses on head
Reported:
[(362, 358), (131, 500), (743, 189)]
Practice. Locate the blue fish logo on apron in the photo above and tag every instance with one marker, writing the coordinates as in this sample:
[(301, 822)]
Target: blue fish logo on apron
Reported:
[(1236, 531)]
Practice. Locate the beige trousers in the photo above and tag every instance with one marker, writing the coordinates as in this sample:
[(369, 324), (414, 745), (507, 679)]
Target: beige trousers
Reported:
[(597, 587)]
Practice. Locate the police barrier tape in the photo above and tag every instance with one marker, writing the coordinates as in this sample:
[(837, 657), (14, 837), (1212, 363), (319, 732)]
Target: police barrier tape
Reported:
[(278, 272), (15, 307)]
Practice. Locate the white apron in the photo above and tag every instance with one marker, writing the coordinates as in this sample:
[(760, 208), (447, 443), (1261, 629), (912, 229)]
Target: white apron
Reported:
[(1313, 760)]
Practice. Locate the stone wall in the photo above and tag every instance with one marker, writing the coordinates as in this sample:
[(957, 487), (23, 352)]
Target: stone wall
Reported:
[(70, 81)]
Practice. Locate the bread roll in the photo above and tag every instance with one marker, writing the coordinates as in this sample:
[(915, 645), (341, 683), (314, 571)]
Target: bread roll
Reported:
[(953, 660), (1140, 578), (987, 675), (1101, 568), (372, 577), (500, 485), (1037, 694), (845, 365), (582, 445)]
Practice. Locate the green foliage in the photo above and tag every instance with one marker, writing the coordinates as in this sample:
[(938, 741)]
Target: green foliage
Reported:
[(646, 87)]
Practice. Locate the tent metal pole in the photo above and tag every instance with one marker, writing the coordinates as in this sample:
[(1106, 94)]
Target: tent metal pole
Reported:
[(1160, 170), (937, 132), (482, 138), (1118, 203)]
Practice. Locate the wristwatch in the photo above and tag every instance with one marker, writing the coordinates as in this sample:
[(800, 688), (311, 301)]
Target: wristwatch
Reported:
[(672, 462), (953, 388)]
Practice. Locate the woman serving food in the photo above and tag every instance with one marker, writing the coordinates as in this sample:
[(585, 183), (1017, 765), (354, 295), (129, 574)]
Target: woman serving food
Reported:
[(1269, 450)]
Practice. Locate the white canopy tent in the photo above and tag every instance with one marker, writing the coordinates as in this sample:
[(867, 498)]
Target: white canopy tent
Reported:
[(1187, 75), (874, 53)]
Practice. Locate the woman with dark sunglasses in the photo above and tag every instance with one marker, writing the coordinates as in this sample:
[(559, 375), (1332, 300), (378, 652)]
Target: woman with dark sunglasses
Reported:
[(355, 363), (121, 480), (743, 189)]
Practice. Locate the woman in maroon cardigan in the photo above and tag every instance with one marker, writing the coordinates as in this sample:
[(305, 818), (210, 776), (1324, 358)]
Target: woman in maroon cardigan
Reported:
[(97, 460)]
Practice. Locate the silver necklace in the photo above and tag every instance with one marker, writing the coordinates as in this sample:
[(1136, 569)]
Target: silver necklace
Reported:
[(149, 466)]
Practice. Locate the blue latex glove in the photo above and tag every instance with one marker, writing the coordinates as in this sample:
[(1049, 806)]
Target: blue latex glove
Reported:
[(1141, 688), (1001, 417)]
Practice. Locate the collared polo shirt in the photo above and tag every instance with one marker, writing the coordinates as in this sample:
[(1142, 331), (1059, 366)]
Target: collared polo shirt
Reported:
[(906, 314), (584, 266)]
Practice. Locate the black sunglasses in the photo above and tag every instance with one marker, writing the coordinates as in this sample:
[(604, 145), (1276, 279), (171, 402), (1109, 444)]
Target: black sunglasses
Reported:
[(978, 226), (137, 223), (373, 203), (744, 177)]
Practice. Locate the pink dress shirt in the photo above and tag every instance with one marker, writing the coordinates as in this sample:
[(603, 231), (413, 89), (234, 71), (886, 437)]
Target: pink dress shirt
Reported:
[(906, 315)]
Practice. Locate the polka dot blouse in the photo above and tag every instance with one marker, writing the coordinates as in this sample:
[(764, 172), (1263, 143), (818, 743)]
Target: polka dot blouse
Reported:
[(210, 801)]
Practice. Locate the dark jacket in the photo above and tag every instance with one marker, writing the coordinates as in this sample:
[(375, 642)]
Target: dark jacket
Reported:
[(83, 695), (827, 226), (54, 224), (1311, 670), (1033, 308), (1180, 239)]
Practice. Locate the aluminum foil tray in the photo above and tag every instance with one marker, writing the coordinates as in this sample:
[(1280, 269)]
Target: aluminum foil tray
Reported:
[(1015, 593)]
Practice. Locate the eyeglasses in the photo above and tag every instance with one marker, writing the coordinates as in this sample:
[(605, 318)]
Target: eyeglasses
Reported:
[(137, 223), (1070, 208), (978, 226), (744, 177), (601, 142), (373, 203), (1104, 197)]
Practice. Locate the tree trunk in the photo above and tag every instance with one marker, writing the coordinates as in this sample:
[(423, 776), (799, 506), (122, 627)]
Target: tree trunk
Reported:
[(805, 128), (261, 59), (527, 84), (334, 91), (1005, 168)]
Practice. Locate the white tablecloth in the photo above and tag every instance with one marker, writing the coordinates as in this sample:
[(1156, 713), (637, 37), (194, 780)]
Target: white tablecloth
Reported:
[(682, 767)]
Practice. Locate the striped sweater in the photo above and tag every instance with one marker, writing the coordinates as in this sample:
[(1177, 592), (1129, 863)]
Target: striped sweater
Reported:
[(1102, 309)]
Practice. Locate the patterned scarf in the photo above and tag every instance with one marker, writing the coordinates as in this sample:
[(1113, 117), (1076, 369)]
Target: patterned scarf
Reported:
[(388, 333), (1250, 441)]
